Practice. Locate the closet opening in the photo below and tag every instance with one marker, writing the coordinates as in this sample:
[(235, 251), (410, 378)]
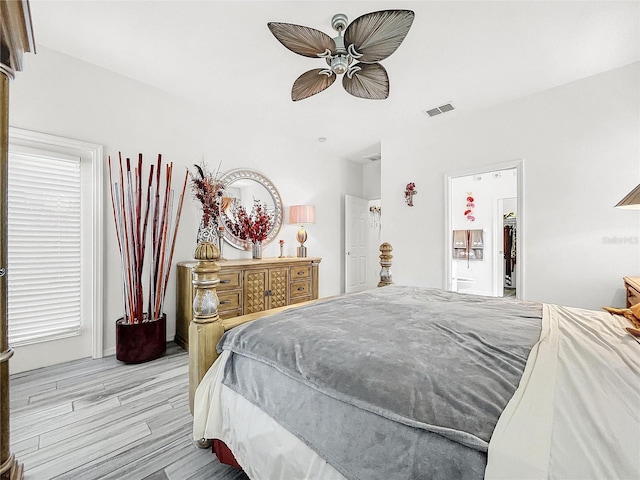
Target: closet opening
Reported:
[(509, 247)]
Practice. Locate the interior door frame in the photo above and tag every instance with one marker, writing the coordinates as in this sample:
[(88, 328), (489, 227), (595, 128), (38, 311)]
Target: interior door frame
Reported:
[(520, 257)]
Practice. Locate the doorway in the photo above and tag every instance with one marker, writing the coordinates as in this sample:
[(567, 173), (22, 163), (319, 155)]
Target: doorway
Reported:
[(506, 223), (362, 220), (479, 258)]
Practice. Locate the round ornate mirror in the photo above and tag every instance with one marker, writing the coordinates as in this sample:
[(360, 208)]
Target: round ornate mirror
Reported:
[(244, 187)]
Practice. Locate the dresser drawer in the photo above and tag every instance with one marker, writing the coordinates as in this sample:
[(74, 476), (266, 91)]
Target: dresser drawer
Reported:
[(298, 289), (300, 272), (301, 299), (229, 280), (229, 300), (230, 314)]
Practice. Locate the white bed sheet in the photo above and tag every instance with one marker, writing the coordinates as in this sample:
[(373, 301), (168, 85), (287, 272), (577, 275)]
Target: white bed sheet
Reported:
[(575, 414)]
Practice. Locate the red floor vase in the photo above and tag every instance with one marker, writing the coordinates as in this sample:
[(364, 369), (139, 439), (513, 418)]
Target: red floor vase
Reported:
[(141, 342)]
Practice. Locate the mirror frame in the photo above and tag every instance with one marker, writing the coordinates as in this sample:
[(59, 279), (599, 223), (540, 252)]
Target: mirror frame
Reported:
[(247, 174)]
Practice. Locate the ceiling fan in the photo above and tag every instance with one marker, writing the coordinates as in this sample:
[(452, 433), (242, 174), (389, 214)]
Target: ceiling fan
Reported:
[(355, 52)]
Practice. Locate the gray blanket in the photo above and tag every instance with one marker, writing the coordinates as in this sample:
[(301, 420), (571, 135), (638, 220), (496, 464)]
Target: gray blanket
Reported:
[(399, 360)]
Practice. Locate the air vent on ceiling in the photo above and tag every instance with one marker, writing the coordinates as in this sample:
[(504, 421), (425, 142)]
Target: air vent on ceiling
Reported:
[(432, 112)]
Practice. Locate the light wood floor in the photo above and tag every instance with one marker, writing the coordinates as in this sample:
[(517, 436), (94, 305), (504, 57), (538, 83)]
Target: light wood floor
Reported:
[(102, 419)]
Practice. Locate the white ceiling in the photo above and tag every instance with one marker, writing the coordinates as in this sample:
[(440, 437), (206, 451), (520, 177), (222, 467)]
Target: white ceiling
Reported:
[(474, 54)]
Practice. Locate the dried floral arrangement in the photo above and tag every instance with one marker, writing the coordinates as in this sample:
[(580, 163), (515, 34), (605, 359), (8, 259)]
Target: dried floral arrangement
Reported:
[(139, 213), (253, 226), (409, 192), (207, 189), (470, 205)]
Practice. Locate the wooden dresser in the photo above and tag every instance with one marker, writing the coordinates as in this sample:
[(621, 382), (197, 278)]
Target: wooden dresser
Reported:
[(248, 286), (632, 284)]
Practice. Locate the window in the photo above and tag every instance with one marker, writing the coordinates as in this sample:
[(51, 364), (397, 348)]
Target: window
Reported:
[(54, 240), (44, 246)]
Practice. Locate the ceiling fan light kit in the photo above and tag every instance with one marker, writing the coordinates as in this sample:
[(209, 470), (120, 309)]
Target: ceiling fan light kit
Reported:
[(354, 53)]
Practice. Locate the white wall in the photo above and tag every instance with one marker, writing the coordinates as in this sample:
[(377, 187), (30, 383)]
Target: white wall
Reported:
[(63, 96), (371, 180), (580, 143)]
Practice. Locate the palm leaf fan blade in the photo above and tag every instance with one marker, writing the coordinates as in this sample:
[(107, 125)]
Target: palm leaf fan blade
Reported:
[(304, 41), (377, 35), (310, 83), (370, 82)]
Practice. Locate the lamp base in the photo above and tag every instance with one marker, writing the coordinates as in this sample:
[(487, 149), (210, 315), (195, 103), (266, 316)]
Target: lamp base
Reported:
[(301, 251)]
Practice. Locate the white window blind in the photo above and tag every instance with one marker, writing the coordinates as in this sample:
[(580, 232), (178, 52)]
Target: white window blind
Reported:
[(44, 247)]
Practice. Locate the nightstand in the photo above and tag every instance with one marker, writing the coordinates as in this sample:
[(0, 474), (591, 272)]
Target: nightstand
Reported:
[(632, 284)]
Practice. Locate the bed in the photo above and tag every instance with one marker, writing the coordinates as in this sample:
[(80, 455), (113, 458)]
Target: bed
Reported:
[(409, 383)]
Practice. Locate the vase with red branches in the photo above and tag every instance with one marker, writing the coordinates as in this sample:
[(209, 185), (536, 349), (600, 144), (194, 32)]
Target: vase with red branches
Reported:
[(253, 226), (208, 189), (146, 223)]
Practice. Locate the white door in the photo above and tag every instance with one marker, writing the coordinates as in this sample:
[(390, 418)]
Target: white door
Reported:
[(356, 243)]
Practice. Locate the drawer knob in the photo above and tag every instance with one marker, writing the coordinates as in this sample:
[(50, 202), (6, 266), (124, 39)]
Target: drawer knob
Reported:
[(224, 302), (225, 281), (301, 273), (300, 289)]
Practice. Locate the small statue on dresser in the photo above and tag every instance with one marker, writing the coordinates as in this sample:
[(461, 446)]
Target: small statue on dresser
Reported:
[(220, 234)]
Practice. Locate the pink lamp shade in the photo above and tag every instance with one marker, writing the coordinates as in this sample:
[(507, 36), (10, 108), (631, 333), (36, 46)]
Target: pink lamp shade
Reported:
[(300, 214), (632, 200)]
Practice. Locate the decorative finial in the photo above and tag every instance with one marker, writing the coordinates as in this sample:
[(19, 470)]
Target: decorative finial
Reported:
[(207, 251), (386, 278)]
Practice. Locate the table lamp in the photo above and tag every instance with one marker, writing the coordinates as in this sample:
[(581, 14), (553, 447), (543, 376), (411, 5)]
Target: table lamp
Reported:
[(299, 215)]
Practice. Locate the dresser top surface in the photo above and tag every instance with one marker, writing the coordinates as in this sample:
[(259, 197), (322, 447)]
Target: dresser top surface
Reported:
[(244, 262)]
